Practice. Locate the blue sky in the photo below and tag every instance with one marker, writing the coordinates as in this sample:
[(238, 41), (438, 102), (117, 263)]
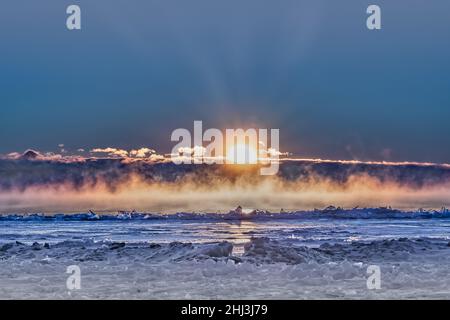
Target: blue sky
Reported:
[(139, 69)]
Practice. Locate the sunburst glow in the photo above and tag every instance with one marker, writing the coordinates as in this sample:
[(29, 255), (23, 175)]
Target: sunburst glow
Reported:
[(242, 153)]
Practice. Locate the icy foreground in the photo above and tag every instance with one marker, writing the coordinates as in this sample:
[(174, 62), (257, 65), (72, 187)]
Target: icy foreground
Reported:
[(262, 268)]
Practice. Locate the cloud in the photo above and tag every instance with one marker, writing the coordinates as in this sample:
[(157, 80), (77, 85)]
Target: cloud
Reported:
[(33, 155), (13, 155), (157, 157), (142, 152), (274, 153), (196, 151), (111, 152)]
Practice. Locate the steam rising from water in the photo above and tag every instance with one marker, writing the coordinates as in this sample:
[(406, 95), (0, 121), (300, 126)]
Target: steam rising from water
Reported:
[(109, 185)]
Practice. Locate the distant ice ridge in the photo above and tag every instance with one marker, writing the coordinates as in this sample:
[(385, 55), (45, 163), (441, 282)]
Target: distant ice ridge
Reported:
[(330, 212)]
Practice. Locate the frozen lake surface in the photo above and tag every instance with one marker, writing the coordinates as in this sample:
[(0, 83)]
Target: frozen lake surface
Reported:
[(204, 258)]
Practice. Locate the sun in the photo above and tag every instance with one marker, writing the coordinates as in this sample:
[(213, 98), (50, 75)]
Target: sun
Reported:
[(242, 153)]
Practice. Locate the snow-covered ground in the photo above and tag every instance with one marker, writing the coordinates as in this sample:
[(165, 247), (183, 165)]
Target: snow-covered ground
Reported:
[(268, 259)]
